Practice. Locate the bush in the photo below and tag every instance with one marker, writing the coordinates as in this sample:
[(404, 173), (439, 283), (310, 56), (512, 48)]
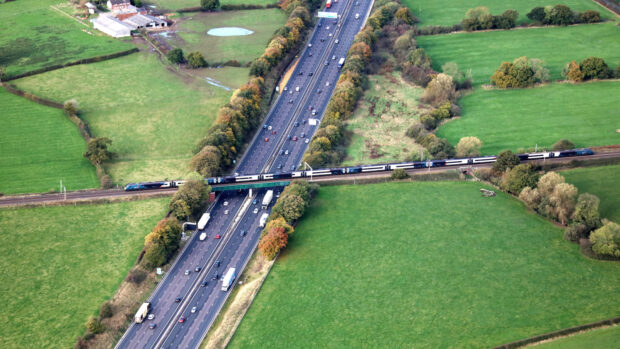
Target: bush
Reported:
[(606, 240), (97, 150), (416, 131), (209, 5), (563, 144), (439, 90), (461, 79), (196, 60), (440, 148), (519, 177), (136, 276), (505, 160), (537, 14), (572, 72), (468, 147), (522, 72), (590, 16), (576, 232), (175, 56), (586, 211), (106, 310), (594, 68), (399, 173), (94, 325)]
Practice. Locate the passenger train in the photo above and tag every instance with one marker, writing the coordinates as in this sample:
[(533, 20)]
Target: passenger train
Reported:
[(360, 169)]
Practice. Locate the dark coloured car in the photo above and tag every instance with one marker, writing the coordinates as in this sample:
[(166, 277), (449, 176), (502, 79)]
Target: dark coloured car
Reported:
[(177, 300), (243, 233), (215, 276), (152, 326), (198, 269), (217, 264), (204, 283)]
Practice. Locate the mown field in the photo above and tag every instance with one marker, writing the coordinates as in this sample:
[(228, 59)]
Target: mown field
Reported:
[(154, 116), (377, 127), (604, 182), (587, 114), (426, 265), (179, 4), (483, 52), (60, 263), (39, 146), (34, 36), (449, 12), (603, 338), (192, 34)]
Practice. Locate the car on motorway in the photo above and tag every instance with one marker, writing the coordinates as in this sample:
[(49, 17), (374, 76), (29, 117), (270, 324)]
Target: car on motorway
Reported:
[(255, 211), (177, 300), (327, 83), (225, 203), (327, 28), (182, 319), (333, 58), (218, 236), (313, 112), (311, 73), (303, 135), (151, 316), (330, 35), (187, 272), (290, 101), (310, 54), (266, 139), (292, 167), (319, 91), (225, 211), (303, 122), (277, 194), (198, 269), (295, 138), (254, 202), (310, 44), (337, 41), (357, 16), (194, 309), (286, 152), (281, 151), (322, 39), (279, 166), (243, 233), (326, 62), (307, 140), (270, 127), (217, 264), (215, 276), (204, 283), (152, 326)]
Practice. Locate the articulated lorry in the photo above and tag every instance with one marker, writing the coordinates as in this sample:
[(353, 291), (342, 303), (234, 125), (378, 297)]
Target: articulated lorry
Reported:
[(228, 279), (267, 199), (202, 223), (142, 312)]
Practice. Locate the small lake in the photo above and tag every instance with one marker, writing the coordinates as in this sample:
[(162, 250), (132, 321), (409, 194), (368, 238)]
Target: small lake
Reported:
[(229, 31)]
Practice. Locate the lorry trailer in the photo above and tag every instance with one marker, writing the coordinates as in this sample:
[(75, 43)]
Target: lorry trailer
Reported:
[(228, 279), (143, 311), (202, 223), (267, 199)]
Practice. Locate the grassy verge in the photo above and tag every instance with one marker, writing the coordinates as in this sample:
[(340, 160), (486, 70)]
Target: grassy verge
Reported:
[(484, 52), (36, 36), (448, 12), (424, 265), (603, 182), (586, 114), (601, 338), (153, 115), (39, 146), (60, 263), (192, 34), (377, 127)]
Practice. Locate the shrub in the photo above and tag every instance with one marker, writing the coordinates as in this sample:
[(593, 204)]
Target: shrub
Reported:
[(97, 150), (440, 148), (175, 56), (196, 60), (399, 173), (594, 68), (563, 144), (419, 58), (563, 200), (531, 197), (505, 160), (606, 240), (537, 14), (468, 147), (136, 276), (522, 72), (461, 79), (70, 107), (209, 5), (106, 310), (94, 325), (576, 232), (405, 15), (518, 178), (590, 16), (586, 211), (439, 90), (428, 121), (572, 72), (417, 75), (416, 131)]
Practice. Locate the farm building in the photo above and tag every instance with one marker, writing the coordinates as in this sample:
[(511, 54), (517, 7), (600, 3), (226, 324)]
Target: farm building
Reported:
[(118, 5), (140, 21), (112, 26)]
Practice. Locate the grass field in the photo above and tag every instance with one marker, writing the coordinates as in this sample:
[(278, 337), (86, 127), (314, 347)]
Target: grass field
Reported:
[(179, 4), (378, 125), (153, 116), (34, 36), (603, 338), (484, 52), (39, 146), (228, 77), (60, 263), (424, 265), (448, 12), (588, 114), (603, 182), (193, 27)]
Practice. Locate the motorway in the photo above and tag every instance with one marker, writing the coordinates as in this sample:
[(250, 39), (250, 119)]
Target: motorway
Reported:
[(234, 249)]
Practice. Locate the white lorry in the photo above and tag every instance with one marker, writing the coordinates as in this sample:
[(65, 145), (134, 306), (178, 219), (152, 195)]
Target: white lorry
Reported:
[(267, 199), (202, 223), (263, 220), (228, 279), (142, 312)]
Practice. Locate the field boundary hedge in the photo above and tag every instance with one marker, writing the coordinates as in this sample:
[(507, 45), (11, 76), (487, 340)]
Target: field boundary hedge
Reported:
[(72, 63), (40, 100), (560, 333), (230, 8)]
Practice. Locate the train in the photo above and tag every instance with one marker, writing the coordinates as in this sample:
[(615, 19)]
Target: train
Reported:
[(361, 169)]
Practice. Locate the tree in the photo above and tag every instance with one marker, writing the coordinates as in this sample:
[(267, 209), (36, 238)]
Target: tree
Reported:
[(572, 72), (530, 197), (594, 68), (270, 244), (522, 71), (537, 14), (439, 90), (548, 182), (563, 144), (175, 56), (94, 325), (586, 211), (399, 173), (563, 199), (97, 150), (259, 67), (209, 5), (405, 15), (279, 222), (606, 240), (502, 77), (291, 207), (196, 60), (419, 58), (162, 242), (70, 107), (180, 209), (507, 20), (468, 147), (441, 149), (207, 162), (560, 15), (518, 178), (590, 16), (541, 73), (155, 255), (193, 194), (505, 160)]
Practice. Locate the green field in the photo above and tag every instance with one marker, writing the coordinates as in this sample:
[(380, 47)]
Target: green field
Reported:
[(229, 77), (377, 127), (449, 12), (483, 52), (34, 36), (60, 263), (604, 182), (39, 146), (153, 116), (588, 114), (424, 265), (603, 338), (179, 4), (193, 27)]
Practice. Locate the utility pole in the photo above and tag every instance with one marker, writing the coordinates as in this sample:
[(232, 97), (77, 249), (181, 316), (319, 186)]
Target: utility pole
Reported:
[(311, 170)]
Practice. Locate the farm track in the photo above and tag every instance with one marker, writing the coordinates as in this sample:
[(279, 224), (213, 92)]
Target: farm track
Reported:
[(103, 195)]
